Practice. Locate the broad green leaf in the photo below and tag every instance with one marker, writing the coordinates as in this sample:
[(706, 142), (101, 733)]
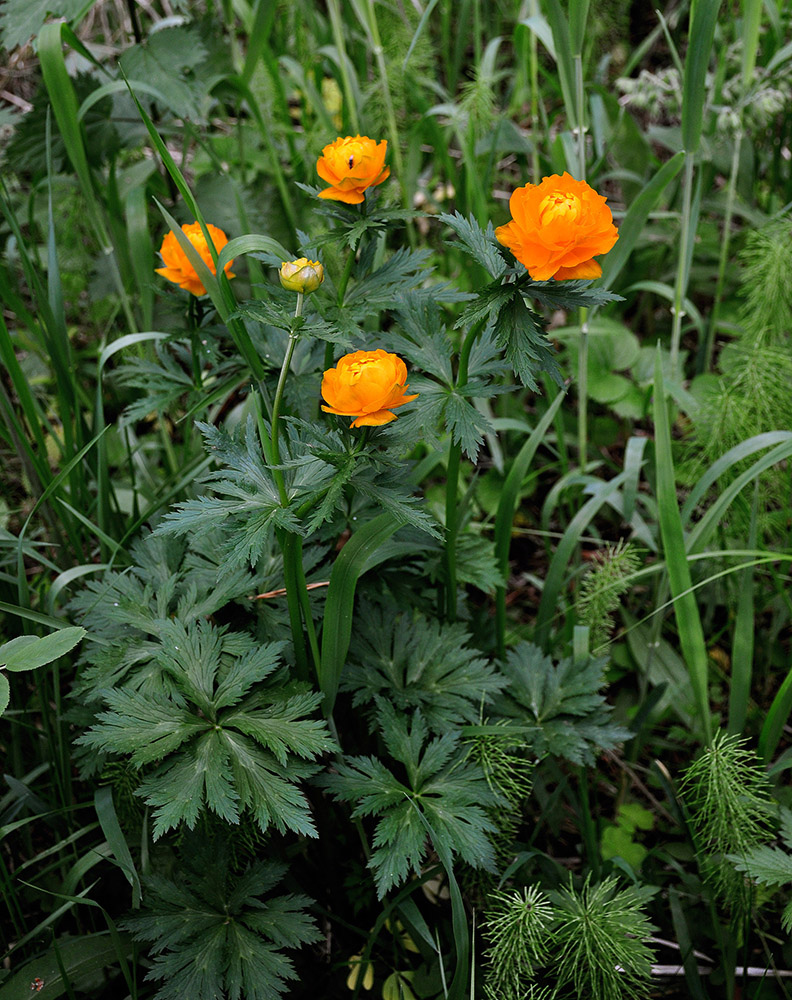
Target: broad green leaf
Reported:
[(29, 652)]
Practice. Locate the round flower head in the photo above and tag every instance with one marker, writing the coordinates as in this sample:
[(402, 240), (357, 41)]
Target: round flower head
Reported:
[(350, 166), (558, 227), (178, 268), (301, 275), (366, 385)]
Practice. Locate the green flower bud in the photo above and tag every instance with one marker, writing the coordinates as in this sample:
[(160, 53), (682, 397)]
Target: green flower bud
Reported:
[(301, 275)]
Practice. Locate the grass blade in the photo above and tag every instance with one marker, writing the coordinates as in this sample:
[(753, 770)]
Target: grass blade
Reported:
[(507, 506), (703, 18), (776, 720), (358, 555), (548, 606), (691, 634), (743, 642), (632, 225), (105, 811)]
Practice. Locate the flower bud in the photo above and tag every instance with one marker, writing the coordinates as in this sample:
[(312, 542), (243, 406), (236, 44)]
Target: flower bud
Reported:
[(301, 275)]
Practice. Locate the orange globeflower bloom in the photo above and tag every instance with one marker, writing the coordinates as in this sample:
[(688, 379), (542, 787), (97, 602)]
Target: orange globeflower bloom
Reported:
[(178, 268), (350, 166), (558, 227), (366, 385)]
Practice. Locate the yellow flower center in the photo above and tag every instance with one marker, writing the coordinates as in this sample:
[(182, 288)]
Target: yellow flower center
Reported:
[(559, 206), (355, 370)]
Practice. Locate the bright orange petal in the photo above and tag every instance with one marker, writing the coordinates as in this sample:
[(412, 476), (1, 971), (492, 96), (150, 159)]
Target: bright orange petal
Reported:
[(588, 269), (348, 197), (376, 419)]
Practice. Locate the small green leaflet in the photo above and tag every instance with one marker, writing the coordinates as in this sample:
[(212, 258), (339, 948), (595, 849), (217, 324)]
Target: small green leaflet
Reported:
[(27, 652)]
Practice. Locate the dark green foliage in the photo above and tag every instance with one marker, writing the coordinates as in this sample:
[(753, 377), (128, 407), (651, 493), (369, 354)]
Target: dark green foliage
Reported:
[(728, 795), (249, 502), (518, 930), (599, 595), (442, 402), (124, 612), (170, 60), (413, 662), (249, 505), (220, 739), (20, 19), (568, 716), (600, 940), (478, 243), (215, 932), (442, 793)]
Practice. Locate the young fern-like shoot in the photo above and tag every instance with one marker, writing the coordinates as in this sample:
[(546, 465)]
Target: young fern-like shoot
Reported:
[(518, 930), (727, 793)]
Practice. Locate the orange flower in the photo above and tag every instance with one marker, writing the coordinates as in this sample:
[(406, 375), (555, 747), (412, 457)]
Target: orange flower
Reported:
[(366, 385), (350, 166), (178, 268), (558, 227)]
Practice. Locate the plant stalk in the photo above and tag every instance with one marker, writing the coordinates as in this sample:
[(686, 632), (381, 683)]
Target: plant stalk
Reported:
[(291, 544), (681, 275), (731, 192), (452, 483)]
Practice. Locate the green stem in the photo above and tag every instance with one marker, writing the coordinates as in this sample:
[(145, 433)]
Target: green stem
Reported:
[(276, 407), (291, 549), (583, 389), (291, 544), (534, 100), (681, 275), (305, 603), (724, 253), (393, 131), (342, 284), (588, 827), (581, 129), (195, 343), (338, 36), (452, 483)]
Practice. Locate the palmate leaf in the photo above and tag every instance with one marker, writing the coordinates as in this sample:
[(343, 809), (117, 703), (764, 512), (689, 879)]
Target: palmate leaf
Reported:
[(517, 329), (768, 865), (568, 716), (129, 612), (223, 740), (476, 242), (413, 662), (385, 286), (249, 499), (450, 793), (218, 934)]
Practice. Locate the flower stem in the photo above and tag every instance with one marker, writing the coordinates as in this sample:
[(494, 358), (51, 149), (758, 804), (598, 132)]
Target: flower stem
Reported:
[(583, 389), (291, 543), (276, 406), (682, 268), (452, 483)]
